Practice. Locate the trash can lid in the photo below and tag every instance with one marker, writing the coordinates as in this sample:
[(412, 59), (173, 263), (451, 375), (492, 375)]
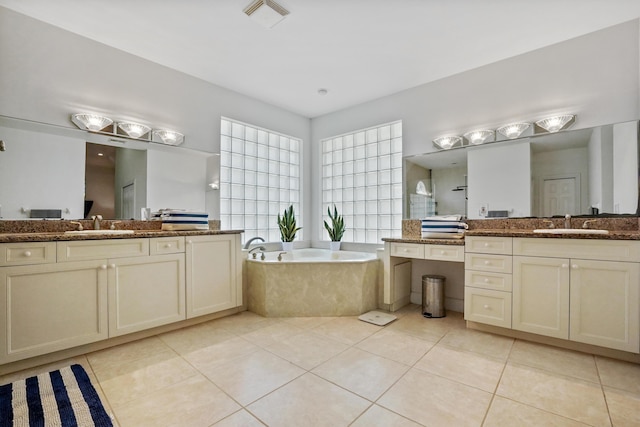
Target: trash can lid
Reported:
[(433, 276)]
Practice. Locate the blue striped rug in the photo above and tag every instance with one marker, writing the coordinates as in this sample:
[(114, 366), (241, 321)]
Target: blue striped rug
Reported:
[(64, 398)]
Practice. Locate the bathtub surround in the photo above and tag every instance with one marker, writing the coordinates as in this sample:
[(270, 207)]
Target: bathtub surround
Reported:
[(312, 287)]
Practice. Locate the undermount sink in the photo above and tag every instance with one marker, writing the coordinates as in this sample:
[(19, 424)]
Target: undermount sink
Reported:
[(570, 231), (99, 232)]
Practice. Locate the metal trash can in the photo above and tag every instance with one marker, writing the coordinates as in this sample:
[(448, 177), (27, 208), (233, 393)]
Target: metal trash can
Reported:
[(433, 295)]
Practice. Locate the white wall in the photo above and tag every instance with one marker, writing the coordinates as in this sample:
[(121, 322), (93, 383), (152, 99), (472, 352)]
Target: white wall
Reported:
[(33, 182), (625, 169), (500, 179), (595, 76)]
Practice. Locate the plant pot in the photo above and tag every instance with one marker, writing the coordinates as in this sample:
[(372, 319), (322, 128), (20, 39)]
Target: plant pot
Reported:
[(335, 246), (287, 246)]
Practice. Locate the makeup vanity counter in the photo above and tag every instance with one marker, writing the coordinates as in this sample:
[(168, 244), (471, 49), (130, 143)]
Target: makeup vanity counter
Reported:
[(73, 293)]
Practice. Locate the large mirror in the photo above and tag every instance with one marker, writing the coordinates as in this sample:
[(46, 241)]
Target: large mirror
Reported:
[(579, 172), (50, 171)]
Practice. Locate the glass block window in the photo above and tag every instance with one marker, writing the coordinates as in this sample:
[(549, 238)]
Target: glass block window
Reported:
[(362, 175), (259, 178)]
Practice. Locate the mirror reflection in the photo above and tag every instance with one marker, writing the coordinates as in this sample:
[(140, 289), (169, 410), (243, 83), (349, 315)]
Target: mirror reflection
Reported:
[(581, 172)]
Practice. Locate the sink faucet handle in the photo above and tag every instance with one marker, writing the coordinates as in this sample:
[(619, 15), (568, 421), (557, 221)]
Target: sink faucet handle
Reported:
[(79, 224), (567, 221), (548, 221), (587, 222), (280, 255), (113, 225)]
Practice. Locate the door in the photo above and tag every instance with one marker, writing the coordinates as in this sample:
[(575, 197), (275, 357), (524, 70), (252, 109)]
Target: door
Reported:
[(604, 304), (559, 196), (541, 296)]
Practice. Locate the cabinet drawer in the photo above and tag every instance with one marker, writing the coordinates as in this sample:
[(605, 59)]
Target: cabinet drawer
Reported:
[(604, 250), (487, 306), (491, 263), (485, 280), (444, 252), (407, 250), (489, 245), (166, 245), (100, 249), (27, 253)]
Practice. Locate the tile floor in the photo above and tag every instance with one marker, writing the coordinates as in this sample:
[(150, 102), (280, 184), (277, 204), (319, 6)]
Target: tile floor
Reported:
[(246, 370)]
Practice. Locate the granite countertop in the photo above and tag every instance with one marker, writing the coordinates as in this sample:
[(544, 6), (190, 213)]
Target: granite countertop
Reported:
[(61, 236), (454, 242), (613, 234)]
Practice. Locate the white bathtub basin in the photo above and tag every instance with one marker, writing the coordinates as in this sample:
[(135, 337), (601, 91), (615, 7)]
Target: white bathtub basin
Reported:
[(569, 231), (99, 232)]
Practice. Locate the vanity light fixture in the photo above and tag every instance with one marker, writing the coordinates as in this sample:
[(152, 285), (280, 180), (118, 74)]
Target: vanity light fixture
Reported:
[(169, 137), (134, 130), (555, 123), (477, 137), (93, 122), (266, 12), (447, 142), (513, 130)]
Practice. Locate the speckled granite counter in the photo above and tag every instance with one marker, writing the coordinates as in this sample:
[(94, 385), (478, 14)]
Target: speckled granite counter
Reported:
[(613, 235), (15, 231), (457, 242)]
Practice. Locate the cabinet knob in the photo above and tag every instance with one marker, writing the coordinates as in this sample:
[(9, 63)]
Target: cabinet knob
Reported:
[(486, 307), (167, 245), (189, 242), (565, 265), (112, 266), (487, 262), (486, 245), (575, 266), (442, 252), (103, 267), (27, 253), (486, 280), (405, 250)]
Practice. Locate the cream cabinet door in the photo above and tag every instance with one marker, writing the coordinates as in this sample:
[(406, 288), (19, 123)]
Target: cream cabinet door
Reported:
[(145, 292), (51, 307), (214, 280), (541, 296), (604, 304)]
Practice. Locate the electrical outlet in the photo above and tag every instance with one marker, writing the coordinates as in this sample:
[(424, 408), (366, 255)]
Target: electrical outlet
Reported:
[(483, 210)]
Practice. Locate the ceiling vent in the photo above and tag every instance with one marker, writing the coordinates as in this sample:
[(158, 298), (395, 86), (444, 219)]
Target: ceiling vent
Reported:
[(266, 12)]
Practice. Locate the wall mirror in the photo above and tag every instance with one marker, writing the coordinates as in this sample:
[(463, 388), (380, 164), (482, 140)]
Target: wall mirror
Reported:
[(580, 172), (54, 168)]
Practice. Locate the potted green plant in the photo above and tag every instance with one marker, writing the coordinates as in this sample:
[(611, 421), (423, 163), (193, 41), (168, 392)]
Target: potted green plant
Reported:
[(336, 229), (288, 229)]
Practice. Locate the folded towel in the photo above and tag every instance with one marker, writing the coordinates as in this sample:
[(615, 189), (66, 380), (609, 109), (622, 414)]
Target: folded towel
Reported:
[(432, 227), (180, 219), (443, 218)]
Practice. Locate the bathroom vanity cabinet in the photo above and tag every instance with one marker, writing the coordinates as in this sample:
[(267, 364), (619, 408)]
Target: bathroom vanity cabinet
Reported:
[(581, 290), (58, 295)]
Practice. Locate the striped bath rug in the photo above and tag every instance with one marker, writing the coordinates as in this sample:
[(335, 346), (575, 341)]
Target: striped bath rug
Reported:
[(64, 398)]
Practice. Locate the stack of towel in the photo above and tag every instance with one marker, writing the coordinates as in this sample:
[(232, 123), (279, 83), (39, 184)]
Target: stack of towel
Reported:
[(443, 227), (180, 219)]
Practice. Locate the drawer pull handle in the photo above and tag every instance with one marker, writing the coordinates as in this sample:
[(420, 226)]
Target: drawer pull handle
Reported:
[(487, 307), (27, 253), (565, 265), (103, 267)]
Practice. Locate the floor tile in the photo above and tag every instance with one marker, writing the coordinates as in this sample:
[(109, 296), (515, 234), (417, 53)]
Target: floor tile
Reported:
[(428, 329), (306, 322), (554, 359), (194, 338), (347, 330), (309, 401), (570, 397), (619, 374), (109, 358), (472, 369), (206, 358), (193, 402), (251, 376), (129, 381), (271, 334), (377, 416), (239, 419), (307, 349), (361, 372), (624, 407), (434, 401), (504, 412), (396, 346), (244, 322), (479, 342)]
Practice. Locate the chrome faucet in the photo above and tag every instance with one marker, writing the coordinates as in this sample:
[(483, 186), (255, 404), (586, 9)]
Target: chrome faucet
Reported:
[(257, 248), (280, 255), (246, 245), (96, 221), (587, 222), (79, 224), (567, 221), (548, 221)]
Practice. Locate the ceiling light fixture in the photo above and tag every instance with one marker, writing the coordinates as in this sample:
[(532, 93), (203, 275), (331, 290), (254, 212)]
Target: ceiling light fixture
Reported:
[(92, 122), (266, 12), (134, 130), (447, 142), (322, 92), (477, 137), (513, 130), (169, 137), (555, 123)]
